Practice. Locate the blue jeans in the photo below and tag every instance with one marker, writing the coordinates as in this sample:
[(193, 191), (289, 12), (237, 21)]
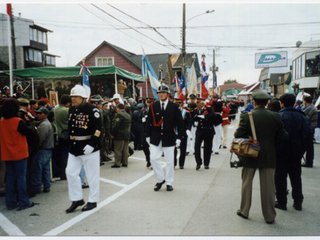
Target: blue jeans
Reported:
[(40, 169), (16, 171), (82, 175)]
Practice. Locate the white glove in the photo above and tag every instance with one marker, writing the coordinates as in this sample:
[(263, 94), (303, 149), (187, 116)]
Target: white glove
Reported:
[(148, 140), (143, 119), (87, 149), (188, 133), (201, 116), (196, 124), (178, 141)]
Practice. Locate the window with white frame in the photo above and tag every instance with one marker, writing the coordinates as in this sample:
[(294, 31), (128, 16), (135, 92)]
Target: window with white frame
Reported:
[(105, 61)]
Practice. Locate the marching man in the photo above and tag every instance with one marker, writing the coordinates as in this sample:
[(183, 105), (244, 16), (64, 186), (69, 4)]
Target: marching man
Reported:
[(84, 127), (163, 117)]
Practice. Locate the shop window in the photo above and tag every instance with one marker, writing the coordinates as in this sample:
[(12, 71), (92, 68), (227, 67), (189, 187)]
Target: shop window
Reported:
[(312, 64)]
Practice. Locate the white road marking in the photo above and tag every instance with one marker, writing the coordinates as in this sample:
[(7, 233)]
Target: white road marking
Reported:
[(138, 158), (9, 227), (113, 182), (83, 215)]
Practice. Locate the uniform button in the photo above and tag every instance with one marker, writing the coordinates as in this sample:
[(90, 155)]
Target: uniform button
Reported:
[(201, 127), (75, 114), (72, 131), (74, 143), (161, 133), (72, 125), (73, 120)]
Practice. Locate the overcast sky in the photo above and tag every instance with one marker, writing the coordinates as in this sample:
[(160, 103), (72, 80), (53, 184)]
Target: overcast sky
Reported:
[(235, 30)]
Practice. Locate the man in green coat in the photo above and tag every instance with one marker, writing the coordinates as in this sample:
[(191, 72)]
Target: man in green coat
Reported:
[(269, 129), (120, 133)]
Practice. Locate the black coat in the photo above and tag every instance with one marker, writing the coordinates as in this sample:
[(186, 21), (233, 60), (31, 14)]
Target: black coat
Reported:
[(84, 121), (166, 131)]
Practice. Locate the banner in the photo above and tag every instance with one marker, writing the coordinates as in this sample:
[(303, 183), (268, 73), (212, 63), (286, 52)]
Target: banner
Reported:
[(85, 70), (182, 86)]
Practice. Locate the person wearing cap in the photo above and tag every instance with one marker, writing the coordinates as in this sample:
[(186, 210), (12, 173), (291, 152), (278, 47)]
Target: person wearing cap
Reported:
[(192, 135), (138, 127), (106, 130), (19, 93), (269, 129), (6, 92), (145, 144), (163, 118), (186, 116), (312, 116), (120, 134), (84, 125), (204, 118), (248, 107), (217, 122), (40, 164)]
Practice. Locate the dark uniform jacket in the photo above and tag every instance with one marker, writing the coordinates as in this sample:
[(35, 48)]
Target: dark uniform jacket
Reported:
[(269, 129), (121, 126), (84, 120), (187, 122), (205, 126), (138, 125), (166, 131)]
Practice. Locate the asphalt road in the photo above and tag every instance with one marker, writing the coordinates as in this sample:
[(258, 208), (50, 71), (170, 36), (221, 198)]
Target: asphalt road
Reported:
[(203, 203)]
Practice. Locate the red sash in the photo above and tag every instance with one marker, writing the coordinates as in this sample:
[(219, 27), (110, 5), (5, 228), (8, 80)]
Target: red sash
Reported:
[(154, 119)]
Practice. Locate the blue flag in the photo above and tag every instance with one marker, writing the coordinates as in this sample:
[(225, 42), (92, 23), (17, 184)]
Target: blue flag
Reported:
[(147, 71)]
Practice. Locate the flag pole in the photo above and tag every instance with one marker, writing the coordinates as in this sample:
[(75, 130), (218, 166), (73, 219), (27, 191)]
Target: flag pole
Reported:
[(9, 48), (115, 84)]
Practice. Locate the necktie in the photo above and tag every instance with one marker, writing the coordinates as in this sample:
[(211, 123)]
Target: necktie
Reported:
[(162, 108)]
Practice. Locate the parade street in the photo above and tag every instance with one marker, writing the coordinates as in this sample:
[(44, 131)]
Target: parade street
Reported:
[(203, 203)]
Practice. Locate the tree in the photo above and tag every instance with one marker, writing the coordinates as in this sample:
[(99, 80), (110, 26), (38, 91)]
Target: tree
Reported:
[(230, 81)]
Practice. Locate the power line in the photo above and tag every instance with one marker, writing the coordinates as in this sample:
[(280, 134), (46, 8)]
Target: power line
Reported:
[(114, 26), (172, 44), (130, 27)]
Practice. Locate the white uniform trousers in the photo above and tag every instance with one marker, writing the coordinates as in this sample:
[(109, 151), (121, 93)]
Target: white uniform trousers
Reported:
[(217, 138), (225, 134), (155, 154), (91, 163), (190, 143)]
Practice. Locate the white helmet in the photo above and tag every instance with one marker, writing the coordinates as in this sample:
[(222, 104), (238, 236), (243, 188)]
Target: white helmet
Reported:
[(78, 90), (117, 95)]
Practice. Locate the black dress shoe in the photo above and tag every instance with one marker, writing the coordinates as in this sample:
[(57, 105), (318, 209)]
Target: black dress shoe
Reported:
[(169, 188), (270, 222), (224, 147), (297, 206), (206, 167), (101, 163), (89, 206), (216, 153), (282, 207), (31, 205), (148, 164), (159, 185), (124, 165), (115, 166), (74, 205), (84, 185), (187, 153), (198, 167), (306, 165), (181, 167), (241, 215)]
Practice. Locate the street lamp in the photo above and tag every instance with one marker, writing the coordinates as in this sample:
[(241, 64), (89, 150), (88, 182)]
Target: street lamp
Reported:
[(208, 11)]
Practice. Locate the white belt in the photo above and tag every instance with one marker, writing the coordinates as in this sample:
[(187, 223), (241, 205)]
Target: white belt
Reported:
[(80, 138), (225, 118)]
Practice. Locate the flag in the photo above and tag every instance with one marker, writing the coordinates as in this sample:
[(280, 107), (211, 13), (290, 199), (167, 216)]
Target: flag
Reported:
[(215, 84), (176, 81), (192, 88), (204, 79), (9, 9), (85, 70), (147, 71), (182, 86)]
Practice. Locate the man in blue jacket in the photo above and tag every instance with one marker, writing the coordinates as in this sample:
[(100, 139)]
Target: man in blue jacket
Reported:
[(289, 153)]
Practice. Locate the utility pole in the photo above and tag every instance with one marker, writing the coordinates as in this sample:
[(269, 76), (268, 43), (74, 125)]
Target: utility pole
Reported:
[(183, 49), (14, 61), (214, 71)]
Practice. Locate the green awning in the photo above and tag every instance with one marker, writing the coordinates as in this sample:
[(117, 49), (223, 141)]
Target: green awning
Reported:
[(288, 80), (69, 73)]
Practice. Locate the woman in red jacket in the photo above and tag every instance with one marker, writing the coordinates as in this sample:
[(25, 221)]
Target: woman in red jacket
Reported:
[(225, 123), (14, 152)]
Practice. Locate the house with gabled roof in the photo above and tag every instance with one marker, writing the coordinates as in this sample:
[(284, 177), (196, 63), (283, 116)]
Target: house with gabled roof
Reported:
[(108, 54)]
